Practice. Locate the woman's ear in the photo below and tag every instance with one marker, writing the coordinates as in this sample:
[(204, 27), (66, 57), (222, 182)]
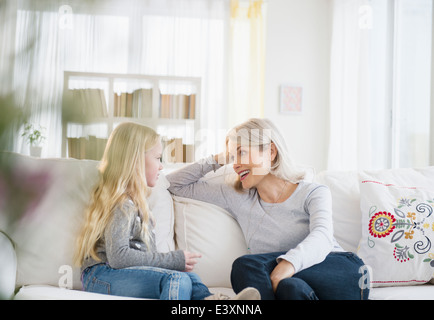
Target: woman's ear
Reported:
[(273, 151)]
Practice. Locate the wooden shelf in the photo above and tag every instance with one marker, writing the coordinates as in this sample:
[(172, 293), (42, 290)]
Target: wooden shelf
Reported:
[(110, 85)]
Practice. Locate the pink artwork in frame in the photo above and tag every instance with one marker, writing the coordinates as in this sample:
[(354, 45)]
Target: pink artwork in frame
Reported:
[(291, 99)]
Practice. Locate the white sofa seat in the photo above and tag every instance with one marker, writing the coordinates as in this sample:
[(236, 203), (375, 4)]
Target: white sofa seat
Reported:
[(47, 292), (418, 292)]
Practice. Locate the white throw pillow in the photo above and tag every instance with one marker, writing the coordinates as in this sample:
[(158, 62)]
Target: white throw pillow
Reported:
[(45, 238), (347, 225), (397, 231), (210, 230)]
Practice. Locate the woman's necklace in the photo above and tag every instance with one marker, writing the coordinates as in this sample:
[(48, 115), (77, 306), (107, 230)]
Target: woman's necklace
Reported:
[(250, 236)]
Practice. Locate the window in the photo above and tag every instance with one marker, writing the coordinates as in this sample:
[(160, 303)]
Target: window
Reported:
[(400, 82), (380, 84), (176, 37), (412, 56)]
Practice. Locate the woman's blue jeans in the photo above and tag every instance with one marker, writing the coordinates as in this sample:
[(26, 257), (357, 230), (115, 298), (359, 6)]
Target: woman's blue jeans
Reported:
[(144, 282), (336, 278)]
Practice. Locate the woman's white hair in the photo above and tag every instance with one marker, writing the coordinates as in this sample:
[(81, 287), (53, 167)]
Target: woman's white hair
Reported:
[(263, 132)]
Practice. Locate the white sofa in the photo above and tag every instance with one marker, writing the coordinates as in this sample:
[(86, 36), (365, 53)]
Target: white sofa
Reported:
[(39, 263)]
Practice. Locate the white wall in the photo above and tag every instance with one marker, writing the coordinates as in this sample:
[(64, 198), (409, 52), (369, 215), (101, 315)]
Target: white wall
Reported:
[(298, 38)]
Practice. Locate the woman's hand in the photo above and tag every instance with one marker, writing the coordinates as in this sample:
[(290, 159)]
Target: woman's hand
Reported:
[(284, 269), (222, 158), (190, 260)]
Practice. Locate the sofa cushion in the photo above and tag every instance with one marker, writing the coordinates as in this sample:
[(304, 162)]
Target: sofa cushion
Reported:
[(45, 237), (211, 231), (347, 224), (398, 232)]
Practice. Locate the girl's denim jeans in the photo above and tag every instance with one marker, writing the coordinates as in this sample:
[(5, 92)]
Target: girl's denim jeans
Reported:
[(338, 277), (144, 282)]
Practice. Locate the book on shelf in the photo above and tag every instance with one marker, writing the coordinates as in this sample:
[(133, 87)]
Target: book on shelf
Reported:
[(137, 104), (177, 106), (86, 148), (88, 103), (92, 148), (175, 151), (188, 153)]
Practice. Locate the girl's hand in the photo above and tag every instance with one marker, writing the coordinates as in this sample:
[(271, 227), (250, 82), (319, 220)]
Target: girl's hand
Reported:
[(284, 269), (190, 260)]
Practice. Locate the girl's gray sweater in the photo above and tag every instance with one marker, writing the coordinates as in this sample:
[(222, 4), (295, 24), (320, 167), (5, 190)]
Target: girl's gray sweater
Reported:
[(122, 245), (301, 226)]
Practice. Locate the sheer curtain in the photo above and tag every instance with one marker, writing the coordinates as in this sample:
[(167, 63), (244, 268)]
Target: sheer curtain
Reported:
[(173, 37), (349, 96), (8, 112), (380, 84), (247, 60), (189, 38)]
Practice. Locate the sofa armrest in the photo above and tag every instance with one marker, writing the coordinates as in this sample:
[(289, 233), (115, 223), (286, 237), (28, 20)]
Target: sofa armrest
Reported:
[(8, 267)]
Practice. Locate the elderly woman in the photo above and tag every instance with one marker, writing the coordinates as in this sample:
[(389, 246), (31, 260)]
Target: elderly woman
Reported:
[(286, 221)]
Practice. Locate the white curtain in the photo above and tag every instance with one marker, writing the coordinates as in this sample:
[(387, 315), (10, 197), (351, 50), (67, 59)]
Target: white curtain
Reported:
[(246, 60), (349, 95), (188, 38), (380, 84), (172, 37)]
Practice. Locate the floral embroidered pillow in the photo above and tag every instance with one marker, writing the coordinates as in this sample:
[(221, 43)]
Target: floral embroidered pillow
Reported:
[(397, 233)]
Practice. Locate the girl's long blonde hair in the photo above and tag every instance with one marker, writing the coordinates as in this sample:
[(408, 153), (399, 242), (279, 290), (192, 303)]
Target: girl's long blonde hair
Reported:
[(122, 177)]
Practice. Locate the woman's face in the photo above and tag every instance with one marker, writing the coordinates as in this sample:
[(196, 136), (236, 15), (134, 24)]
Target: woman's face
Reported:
[(153, 164), (250, 163)]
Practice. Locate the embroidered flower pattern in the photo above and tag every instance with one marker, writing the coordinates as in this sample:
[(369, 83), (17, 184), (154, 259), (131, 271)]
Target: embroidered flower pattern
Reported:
[(411, 215), (410, 230), (405, 202), (409, 235), (381, 224), (402, 254)]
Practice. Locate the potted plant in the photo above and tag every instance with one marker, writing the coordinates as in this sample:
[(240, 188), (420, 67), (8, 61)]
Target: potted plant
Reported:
[(34, 137)]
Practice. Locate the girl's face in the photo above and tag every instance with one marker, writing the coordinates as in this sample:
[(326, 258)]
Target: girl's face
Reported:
[(250, 163), (153, 164)]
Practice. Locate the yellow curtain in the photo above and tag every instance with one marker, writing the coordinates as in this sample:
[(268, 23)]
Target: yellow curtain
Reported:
[(246, 61)]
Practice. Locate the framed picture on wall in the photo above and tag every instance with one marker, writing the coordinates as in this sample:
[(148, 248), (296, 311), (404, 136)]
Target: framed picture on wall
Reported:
[(291, 99)]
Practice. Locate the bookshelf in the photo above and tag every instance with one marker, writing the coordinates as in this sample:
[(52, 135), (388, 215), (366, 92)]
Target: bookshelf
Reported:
[(95, 103)]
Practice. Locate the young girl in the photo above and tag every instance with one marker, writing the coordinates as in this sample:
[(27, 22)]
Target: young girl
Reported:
[(286, 221), (116, 248)]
